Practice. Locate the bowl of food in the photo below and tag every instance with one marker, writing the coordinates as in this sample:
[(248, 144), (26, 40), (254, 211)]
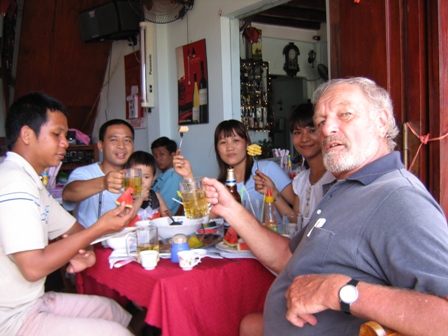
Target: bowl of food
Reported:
[(167, 231)]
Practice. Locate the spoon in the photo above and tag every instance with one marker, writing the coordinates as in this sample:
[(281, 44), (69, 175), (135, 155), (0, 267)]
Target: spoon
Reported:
[(174, 222)]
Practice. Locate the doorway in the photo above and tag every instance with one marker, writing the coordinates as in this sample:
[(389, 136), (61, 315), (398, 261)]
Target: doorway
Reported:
[(287, 93)]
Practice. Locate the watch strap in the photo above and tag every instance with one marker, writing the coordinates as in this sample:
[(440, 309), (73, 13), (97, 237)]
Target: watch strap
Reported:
[(345, 307)]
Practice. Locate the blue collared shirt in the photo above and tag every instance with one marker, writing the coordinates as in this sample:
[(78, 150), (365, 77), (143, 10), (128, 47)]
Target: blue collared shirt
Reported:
[(167, 185)]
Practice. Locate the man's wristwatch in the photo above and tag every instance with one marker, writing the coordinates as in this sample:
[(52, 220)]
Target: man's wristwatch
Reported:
[(348, 294)]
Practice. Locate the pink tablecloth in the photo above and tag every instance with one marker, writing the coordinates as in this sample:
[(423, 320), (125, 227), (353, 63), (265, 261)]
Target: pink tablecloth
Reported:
[(209, 300)]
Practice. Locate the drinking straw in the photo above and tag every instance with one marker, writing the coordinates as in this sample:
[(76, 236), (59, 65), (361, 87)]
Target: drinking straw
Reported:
[(262, 208), (175, 200), (243, 189)]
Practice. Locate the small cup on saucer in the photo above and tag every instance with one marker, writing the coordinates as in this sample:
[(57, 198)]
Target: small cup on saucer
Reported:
[(189, 259), (149, 259)]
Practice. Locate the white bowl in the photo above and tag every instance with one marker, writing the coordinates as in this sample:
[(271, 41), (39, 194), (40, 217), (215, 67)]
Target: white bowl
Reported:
[(117, 243), (188, 227)]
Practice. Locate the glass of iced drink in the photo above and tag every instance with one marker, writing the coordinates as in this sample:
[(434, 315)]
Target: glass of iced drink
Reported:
[(193, 197), (133, 179)]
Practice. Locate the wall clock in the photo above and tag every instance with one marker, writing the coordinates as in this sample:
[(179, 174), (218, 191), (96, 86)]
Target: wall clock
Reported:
[(291, 65)]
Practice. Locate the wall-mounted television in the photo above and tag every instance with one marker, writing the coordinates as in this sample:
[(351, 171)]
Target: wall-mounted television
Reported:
[(115, 20)]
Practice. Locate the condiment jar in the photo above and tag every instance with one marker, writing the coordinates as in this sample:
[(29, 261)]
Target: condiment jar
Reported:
[(179, 243)]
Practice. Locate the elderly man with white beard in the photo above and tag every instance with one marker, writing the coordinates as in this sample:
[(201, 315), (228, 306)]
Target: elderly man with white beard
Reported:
[(376, 245)]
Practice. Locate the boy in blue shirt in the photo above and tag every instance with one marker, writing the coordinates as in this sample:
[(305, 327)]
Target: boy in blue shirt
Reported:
[(167, 183)]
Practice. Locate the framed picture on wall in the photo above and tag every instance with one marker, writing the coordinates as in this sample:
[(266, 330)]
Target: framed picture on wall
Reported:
[(192, 83)]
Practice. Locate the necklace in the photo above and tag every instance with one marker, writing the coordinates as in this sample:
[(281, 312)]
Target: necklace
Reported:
[(306, 209)]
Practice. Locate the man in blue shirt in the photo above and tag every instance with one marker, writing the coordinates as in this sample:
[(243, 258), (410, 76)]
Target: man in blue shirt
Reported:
[(375, 247), (167, 183)]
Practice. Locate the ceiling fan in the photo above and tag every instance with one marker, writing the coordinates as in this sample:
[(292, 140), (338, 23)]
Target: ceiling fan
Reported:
[(165, 11)]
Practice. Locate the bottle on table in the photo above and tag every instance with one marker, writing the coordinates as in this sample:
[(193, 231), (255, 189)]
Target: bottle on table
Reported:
[(231, 186), (270, 217)]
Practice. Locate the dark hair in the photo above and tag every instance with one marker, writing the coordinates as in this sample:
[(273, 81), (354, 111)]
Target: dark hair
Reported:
[(301, 116), (113, 122), (170, 145), (29, 110), (228, 128), (143, 158)]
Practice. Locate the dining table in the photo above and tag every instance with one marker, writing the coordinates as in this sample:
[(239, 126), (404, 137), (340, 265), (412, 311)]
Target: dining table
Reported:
[(211, 299)]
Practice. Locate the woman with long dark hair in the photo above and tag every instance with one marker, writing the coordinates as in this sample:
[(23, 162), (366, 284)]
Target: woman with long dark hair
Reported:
[(231, 141)]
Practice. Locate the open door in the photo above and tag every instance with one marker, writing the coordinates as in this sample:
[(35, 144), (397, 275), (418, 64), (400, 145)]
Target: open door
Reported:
[(401, 45)]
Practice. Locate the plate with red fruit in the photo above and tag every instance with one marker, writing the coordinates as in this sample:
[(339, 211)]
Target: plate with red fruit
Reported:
[(232, 243)]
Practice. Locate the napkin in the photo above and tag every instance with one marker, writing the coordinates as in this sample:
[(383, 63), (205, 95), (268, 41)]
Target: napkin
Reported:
[(120, 258), (214, 252)]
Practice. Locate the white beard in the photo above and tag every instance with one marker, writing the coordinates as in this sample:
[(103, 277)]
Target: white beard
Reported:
[(348, 158)]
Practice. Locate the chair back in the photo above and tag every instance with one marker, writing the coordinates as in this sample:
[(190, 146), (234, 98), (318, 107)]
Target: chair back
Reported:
[(373, 328)]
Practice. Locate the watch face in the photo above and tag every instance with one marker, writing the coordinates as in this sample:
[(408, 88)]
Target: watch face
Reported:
[(348, 294), (292, 54)]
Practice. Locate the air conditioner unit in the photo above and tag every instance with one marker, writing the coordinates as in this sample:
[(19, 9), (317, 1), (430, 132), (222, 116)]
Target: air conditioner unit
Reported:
[(147, 63)]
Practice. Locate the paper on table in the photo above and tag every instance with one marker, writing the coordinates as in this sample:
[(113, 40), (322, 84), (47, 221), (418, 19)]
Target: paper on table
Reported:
[(120, 258), (233, 255)]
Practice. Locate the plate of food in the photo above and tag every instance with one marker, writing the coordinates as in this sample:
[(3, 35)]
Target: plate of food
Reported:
[(240, 247), (195, 241)]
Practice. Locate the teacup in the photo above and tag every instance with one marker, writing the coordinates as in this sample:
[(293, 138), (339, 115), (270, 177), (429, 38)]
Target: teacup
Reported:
[(189, 259), (149, 259)]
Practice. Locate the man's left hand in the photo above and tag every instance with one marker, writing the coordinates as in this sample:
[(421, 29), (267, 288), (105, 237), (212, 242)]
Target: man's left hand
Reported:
[(84, 259), (311, 294)]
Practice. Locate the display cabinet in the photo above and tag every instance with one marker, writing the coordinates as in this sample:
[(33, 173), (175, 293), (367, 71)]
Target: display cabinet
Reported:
[(255, 86), (78, 156)]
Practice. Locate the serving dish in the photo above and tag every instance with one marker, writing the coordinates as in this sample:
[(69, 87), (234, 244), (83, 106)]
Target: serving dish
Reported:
[(166, 231), (224, 247), (207, 239)]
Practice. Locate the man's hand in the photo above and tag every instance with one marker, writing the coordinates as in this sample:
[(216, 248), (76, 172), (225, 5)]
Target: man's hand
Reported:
[(116, 219), (219, 197), (114, 181), (81, 261), (85, 258), (311, 294)]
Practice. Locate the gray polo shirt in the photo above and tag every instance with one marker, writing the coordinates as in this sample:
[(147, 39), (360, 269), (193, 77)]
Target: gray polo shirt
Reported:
[(380, 226)]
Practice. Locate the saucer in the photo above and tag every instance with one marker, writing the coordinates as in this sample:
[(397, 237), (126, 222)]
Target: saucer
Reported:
[(150, 268), (187, 268)]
